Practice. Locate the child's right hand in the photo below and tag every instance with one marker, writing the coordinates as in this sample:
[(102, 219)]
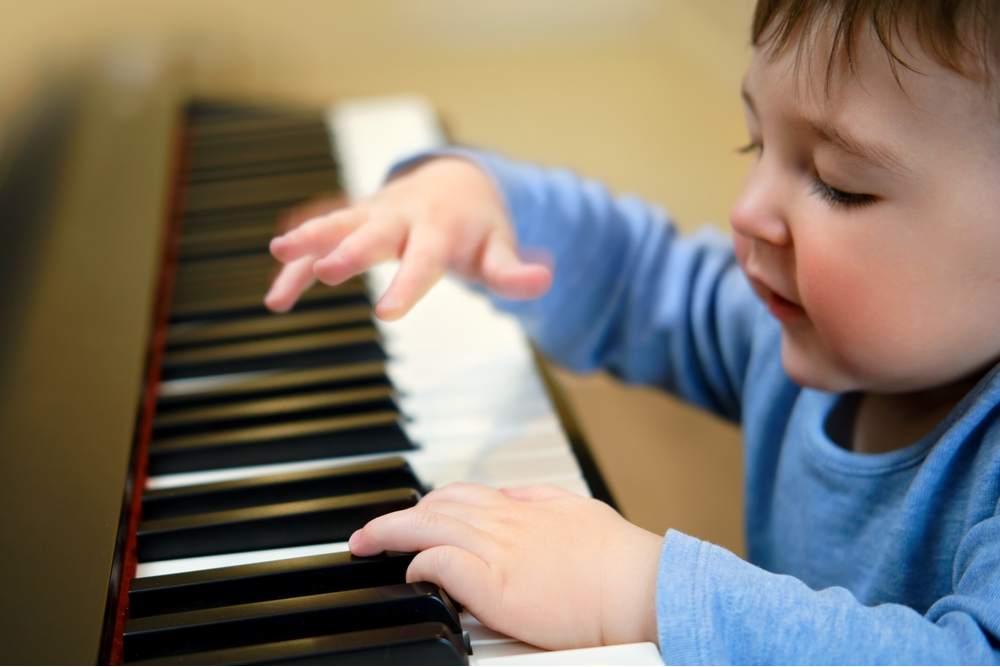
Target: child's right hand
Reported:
[(442, 214)]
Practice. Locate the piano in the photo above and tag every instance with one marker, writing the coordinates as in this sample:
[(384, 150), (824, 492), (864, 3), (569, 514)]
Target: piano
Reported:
[(181, 469)]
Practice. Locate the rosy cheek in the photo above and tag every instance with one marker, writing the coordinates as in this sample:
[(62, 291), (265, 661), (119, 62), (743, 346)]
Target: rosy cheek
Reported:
[(842, 301)]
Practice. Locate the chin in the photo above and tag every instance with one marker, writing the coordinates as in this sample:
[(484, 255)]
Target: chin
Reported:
[(808, 369)]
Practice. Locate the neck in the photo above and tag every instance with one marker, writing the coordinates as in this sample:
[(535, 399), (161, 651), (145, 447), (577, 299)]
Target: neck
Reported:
[(885, 422)]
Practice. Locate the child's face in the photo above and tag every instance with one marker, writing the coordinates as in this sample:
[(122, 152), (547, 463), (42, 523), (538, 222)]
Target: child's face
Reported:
[(894, 287)]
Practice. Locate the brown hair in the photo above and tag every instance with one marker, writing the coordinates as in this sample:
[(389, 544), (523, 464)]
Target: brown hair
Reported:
[(962, 35)]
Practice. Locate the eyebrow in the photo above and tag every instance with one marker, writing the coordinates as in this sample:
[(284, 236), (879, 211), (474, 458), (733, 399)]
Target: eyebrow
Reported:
[(876, 154)]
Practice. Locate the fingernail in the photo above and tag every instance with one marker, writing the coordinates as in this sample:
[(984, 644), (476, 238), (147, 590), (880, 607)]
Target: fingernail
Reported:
[(351, 540)]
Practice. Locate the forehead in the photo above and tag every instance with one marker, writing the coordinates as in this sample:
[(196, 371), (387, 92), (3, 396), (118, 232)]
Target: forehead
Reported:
[(922, 101)]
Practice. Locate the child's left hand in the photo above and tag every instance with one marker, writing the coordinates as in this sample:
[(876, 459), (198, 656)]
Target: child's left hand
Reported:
[(538, 563)]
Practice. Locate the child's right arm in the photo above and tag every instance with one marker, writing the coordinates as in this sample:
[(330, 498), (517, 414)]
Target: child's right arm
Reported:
[(440, 215), (628, 295)]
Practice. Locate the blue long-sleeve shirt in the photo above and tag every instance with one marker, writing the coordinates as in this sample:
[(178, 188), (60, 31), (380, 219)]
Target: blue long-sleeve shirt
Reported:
[(853, 558)]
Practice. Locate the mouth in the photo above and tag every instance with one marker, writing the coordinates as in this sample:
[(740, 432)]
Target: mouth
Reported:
[(782, 309)]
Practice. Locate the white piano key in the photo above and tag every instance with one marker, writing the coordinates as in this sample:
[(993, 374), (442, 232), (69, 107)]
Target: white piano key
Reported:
[(438, 405), (490, 647), (479, 633), (470, 425), (373, 133), (469, 370), (624, 654), (198, 563), (544, 468), (183, 386)]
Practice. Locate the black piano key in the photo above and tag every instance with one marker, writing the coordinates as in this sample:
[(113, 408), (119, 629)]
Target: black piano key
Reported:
[(279, 188), (209, 273), (238, 248), (190, 334), (309, 142), (289, 618), (414, 644), (220, 292), (232, 218), (292, 524), (223, 286), (229, 229), (209, 269), (203, 132), (216, 244), (316, 349), (206, 110), (245, 386), (257, 227), (253, 305), (297, 441), (232, 282), (389, 473), (281, 409), (257, 582), (293, 342), (227, 167)]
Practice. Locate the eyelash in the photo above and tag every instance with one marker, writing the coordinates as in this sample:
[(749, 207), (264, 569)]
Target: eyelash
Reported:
[(831, 195), (835, 197)]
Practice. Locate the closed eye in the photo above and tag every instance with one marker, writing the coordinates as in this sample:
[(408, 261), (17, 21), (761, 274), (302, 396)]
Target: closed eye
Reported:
[(752, 147), (840, 198)]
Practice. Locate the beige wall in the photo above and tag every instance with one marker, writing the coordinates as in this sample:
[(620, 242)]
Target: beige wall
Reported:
[(640, 93)]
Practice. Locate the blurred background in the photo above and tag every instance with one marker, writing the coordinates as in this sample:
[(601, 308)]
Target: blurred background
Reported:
[(642, 94)]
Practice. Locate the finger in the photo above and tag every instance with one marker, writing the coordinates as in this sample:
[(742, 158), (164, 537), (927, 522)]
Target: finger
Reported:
[(466, 577), (318, 236), (293, 279), (370, 244), (541, 492), (424, 261), (507, 275), (479, 495), (415, 530)]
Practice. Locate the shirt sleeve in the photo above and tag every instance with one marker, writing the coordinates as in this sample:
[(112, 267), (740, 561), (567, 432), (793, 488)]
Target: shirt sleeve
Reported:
[(714, 608), (629, 295)]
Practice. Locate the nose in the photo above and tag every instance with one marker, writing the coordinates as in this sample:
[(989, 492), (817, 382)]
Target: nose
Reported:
[(758, 213)]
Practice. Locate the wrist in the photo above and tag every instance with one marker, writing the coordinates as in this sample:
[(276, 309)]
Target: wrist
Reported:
[(628, 610)]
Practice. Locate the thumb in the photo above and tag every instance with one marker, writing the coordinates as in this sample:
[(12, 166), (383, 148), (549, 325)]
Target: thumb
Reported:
[(466, 577)]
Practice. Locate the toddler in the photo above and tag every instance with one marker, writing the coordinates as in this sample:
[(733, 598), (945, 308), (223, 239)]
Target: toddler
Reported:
[(852, 327)]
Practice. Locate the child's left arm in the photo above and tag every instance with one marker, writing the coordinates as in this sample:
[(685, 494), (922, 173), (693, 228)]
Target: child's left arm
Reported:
[(715, 608), (559, 571)]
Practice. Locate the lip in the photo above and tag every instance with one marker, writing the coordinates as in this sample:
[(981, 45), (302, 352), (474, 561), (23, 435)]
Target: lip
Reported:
[(782, 309)]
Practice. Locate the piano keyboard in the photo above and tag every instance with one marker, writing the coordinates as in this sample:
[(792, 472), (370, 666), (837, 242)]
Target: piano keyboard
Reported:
[(276, 436)]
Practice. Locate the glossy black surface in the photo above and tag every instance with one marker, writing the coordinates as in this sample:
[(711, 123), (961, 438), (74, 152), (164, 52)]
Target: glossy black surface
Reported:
[(416, 644), (289, 618), (296, 441), (315, 521), (389, 473), (269, 580)]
